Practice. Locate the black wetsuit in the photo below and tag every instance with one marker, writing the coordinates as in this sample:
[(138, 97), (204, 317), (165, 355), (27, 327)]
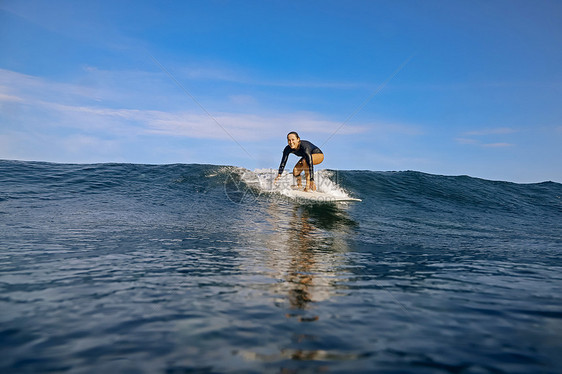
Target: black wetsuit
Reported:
[(305, 150)]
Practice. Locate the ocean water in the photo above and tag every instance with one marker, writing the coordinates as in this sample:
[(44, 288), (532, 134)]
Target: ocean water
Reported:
[(209, 269)]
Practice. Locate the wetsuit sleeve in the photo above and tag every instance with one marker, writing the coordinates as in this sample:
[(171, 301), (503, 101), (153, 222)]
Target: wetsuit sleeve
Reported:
[(286, 152)]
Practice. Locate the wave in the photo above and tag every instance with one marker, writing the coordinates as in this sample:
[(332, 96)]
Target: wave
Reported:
[(406, 188)]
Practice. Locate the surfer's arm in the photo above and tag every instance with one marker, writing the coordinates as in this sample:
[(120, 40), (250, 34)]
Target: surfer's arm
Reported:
[(286, 152)]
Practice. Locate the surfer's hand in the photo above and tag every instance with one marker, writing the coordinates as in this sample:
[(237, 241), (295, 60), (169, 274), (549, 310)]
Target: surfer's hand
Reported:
[(277, 178)]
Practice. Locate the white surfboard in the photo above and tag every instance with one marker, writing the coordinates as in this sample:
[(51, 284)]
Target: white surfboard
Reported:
[(315, 196)]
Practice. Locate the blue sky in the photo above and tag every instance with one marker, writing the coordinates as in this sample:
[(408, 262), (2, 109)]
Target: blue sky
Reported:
[(444, 87)]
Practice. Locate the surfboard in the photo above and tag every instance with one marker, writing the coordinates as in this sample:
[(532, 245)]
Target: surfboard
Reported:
[(315, 196)]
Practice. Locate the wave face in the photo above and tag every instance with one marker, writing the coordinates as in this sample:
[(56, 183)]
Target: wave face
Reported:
[(206, 268)]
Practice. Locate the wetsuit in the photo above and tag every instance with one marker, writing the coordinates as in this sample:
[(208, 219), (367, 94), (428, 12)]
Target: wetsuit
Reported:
[(305, 150)]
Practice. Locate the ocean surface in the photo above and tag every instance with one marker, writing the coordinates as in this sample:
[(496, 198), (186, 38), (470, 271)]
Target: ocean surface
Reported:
[(124, 268)]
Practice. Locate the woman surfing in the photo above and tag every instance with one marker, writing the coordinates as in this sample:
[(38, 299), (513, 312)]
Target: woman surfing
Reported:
[(310, 155)]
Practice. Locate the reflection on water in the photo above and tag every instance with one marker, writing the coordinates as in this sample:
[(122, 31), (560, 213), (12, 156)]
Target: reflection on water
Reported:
[(305, 252), (306, 248)]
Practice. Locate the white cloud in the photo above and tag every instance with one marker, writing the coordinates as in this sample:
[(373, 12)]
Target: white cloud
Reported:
[(201, 72), (215, 72), (82, 144), (487, 137), (243, 127), (63, 122), (497, 145), (62, 105), (29, 88), (492, 131), (466, 141), (38, 146), (480, 143), (244, 100), (398, 128), (4, 97)]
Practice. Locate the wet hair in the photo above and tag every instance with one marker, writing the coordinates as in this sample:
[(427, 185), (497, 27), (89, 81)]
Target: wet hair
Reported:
[(294, 132)]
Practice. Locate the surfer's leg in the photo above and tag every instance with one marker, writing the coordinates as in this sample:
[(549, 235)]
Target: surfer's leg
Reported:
[(317, 158), (307, 175), (305, 169), (297, 171)]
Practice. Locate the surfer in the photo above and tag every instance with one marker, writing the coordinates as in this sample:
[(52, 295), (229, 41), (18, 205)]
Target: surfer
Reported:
[(310, 155)]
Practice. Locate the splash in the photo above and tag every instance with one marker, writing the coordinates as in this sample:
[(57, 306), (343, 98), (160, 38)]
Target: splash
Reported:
[(264, 181)]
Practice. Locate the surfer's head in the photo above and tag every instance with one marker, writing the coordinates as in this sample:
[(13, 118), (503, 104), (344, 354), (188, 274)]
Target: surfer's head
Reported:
[(293, 140)]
